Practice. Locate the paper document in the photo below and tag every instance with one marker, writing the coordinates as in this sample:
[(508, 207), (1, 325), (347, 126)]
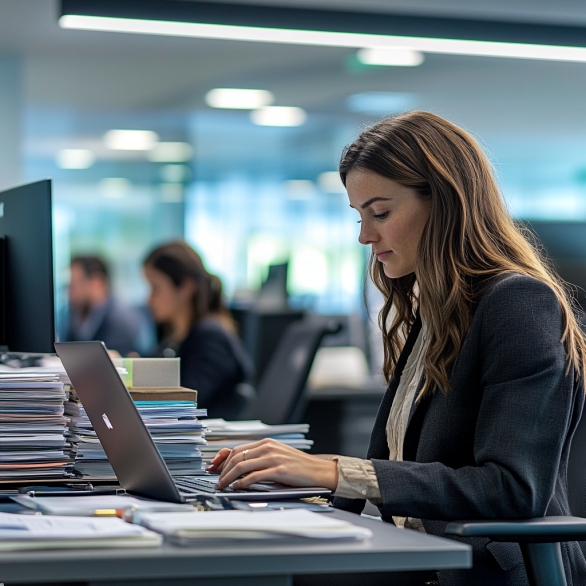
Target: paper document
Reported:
[(224, 428), (83, 505), (41, 532), (184, 527)]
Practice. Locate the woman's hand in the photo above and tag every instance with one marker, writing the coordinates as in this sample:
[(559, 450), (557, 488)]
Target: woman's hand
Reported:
[(270, 460)]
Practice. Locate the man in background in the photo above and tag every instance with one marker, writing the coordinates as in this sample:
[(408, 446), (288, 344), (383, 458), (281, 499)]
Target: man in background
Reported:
[(96, 315)]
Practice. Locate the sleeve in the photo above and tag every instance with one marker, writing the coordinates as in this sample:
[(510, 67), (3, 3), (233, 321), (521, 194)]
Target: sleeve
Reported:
[(522, 423), (356, 479)]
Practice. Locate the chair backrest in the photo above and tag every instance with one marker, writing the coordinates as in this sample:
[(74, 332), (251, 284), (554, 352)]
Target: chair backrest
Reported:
[(577, 473), (262, 332), (280, 392), (577, 470)]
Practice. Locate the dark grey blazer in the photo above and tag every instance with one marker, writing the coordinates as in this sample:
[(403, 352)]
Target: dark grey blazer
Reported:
[(496, 447)]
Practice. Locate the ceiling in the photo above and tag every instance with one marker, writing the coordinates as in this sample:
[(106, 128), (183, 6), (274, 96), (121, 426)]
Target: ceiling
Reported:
[(92, 72)]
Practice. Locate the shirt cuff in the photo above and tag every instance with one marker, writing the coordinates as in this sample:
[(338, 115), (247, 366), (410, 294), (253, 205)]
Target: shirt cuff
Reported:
[(356, 479)]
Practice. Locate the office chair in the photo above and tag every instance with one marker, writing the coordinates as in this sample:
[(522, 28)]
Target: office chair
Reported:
[(280, 392), (540, 538)]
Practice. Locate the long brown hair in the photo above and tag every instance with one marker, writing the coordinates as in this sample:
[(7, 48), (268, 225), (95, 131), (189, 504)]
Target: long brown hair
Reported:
[(469, 235), (179, 262)]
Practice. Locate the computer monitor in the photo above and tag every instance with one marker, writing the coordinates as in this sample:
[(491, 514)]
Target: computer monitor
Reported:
[(273, 294), (27, 314)]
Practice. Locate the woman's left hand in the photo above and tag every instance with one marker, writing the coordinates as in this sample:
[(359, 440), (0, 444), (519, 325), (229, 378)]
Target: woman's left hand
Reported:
[(270, 460)]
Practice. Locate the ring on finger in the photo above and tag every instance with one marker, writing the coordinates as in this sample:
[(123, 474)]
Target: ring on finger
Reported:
[(244, 453)]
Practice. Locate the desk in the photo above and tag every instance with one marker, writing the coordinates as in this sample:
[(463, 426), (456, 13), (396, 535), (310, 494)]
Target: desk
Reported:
[(269, 564)]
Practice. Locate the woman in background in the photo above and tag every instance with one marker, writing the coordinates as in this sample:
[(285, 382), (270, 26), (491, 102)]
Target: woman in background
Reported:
[(186, 303), (483, 356)]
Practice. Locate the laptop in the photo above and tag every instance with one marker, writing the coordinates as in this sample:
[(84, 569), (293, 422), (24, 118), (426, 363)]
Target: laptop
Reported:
[(128, 444)]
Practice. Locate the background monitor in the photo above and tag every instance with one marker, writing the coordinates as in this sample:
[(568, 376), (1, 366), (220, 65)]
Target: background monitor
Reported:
[(27, 315), (273, 294)]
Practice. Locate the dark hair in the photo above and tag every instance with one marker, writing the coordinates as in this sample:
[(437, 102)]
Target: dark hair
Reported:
[(178, 261), (92, 265), (469, 235)]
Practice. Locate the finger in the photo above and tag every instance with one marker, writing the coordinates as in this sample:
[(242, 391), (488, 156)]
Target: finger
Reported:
[(265, 475), (243, 467), (239, 449), (215, 467), (255, 450), (218, 460), (228, 475), (240, 455), (221, 455)]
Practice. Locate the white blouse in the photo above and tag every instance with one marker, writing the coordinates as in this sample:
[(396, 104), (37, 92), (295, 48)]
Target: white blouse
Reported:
[(357, 477)]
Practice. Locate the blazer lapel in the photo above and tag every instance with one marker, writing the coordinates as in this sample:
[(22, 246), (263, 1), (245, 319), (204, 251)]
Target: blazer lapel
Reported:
[(378, 447)]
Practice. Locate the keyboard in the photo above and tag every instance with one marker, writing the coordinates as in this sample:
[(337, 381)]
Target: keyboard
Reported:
[(194, 485)]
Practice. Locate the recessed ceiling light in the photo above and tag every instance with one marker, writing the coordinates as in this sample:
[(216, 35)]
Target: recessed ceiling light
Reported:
[(325, 38), (171, 192), (239, 99), (299, 189), (279, 116), (381, 103), (131, 140), (75, 158), (391, 56), (175, 173), (170, 152), (330, 182), (115, 187)]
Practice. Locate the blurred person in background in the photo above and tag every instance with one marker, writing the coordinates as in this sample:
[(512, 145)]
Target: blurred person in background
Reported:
[(195, 325), (95, 314)]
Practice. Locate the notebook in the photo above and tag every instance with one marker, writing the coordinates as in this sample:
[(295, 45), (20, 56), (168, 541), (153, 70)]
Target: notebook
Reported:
[(127, 442)]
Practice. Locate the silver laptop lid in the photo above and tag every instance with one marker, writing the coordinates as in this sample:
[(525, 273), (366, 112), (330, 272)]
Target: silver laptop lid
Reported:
[(126, 440)]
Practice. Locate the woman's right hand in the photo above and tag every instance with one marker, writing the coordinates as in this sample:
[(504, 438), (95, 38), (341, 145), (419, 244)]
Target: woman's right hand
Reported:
[(218, 461), (271, 461)]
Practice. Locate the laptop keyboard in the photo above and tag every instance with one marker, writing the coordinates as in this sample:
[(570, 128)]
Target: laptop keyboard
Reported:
[(193, 485)]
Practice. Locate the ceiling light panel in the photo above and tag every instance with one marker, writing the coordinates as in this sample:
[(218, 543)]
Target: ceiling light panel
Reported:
[(75, 158), (330, 182), (239, 99), (131, 140), (279, 116), (115, 187), (425, 44), (170, 152), (396, 56)]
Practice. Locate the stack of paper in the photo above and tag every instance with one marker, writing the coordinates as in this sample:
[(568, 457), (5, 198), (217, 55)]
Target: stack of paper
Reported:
[(229, 434), (187, 528), (33, 429), (174, 425), (19, 532), (91, 505)]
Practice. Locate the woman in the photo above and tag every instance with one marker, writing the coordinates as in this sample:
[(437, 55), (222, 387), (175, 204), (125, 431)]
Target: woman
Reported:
[(186, 301), (482, 353)]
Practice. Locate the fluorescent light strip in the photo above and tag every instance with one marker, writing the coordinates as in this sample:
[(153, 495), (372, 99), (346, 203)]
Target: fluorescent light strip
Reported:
[(323, 38)]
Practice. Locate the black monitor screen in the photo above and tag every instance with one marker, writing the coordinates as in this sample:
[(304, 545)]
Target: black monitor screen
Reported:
[(27, 322)]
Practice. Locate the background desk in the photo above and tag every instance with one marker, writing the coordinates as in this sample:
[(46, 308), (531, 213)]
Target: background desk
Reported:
[(341, 417), (269, 564)]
